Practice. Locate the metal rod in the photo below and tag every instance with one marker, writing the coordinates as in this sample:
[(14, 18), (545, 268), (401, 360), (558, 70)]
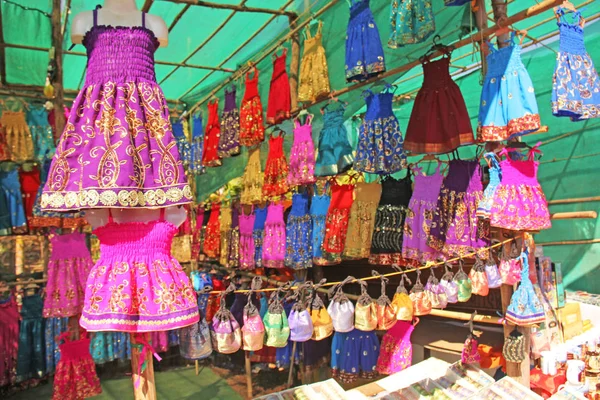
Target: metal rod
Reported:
[(234, 7)]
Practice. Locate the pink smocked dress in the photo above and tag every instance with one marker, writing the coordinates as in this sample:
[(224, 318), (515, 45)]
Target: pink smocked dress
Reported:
[(396, 349), (519, 203), (420, 213), (69, 266), (136, 285), (302, 155), (273, 251), (9, 340), (247, 248)]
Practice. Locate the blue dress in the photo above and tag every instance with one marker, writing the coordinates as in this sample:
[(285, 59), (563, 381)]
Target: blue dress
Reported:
[(380, 142), (576, 86), (41, 132), (54, 327), (197, 145), (318, 214), (525, 307), (508, 106), (359, 355), (334, 150), (183, 145), (411, 21), (257, 233), (31, 362), (484, 208), (12, 213), (456, 2), (299, 234), (364, 52)]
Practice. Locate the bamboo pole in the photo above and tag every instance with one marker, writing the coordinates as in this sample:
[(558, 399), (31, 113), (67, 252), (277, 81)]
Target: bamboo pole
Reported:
[(147, 5), (2, 54), (146, 390), (461, 316), (569, 242), (574, 215), (234, 7), (248, 374), (234, 52), (178, 17), (57, 43), (574, 200), (294, 64)]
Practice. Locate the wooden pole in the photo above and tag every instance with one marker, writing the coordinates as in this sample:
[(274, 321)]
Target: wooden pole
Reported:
[(234, 7), (146, 390), (294, 64), (569, 242), (575, 215), (574, 200), (248, 374), (57, 44), (2, 54)]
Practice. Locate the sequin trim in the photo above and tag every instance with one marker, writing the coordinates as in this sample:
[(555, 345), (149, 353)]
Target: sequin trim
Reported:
[(518, 126)]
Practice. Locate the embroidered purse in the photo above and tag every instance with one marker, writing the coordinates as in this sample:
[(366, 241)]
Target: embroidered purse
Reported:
[(435, 292), (194, 340), (228, 335), (420, 300), (321, 320), (448, 284), (253, 331), (365, 313), (402, 302), (386, 313), (479, 282), (463, 283), (301, 326), (277, 328), (470, 353), (341, 309), (514, 347), (492, 273), (510, 266)]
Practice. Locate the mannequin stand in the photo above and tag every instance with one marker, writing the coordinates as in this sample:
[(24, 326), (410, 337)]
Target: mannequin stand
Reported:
[(146, 389)]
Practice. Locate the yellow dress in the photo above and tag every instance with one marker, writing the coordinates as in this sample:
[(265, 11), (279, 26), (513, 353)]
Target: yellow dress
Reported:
[(252, 179), (225, 218), (314, 75), (362, 220), (17, 135)]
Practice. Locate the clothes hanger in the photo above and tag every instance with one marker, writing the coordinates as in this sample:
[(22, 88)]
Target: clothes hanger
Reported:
[(470, 323), (435, 48)]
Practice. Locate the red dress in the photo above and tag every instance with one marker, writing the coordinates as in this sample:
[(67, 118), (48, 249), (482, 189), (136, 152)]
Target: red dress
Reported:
[(276, 170), (439, 122), (30, 183), (338, 214), (75, 376), (212, 241), (210, 156), (252, 130), (280, 103)]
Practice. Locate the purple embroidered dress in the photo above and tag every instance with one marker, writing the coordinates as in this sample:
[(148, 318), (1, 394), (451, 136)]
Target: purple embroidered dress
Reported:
[(117, 149)]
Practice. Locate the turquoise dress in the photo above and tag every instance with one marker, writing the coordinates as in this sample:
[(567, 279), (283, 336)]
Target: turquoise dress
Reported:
[(54, 328), (411, 21), (334, 154)]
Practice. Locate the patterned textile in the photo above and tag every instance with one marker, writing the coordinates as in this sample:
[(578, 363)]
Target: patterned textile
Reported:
[(411, 21), (314, 74)]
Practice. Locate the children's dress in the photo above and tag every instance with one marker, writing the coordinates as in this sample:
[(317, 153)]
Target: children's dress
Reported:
[(455, 228), (419, 216), (276, 170), (258, 234), (279, 103), (364, 52), (336, 222), (225, 220), (252, 181), (411, 21), (439, 122), (210, 155), (234, 241), (525, 307), (252, 130), (508, 106), (17, 136), (41, 133), (247, 246), (68, 269), (136, 285), (30, 358), (183, 144), (314, 75), (386, 246), (30, 185), (575, 86), (484, 208), (9, 346), (273, 251), (299, 234), (302, 155), (318, 214), (212, 241), (362, 220), (335, 154), (519, 202), (358, 352), (380, 143), (229, 139), (197, 145), (120, 126), (12, 212), (396, 349)]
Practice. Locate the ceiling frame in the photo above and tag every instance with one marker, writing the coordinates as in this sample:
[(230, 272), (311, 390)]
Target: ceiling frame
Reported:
[(233, 7)]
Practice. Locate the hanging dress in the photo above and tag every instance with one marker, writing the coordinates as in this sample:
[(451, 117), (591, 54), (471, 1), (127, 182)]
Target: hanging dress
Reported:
[(273, 249), (386, 246), (234, 241), (197, 145), (121, 128), (519, 202), (68, 269), (30, 185), (258, 234), (455, 228), (280, 102), (225, 221), (439, 122), (362, 220), (314, 74), (136, 285), (334, 150), (336, 222), (183, 144), (212, 241), (302, 155), (396, 349), (576, 86), (318, 214), (30, 358), (9, 345), (252, 181), (210, 155), (364, 52), (508, 106), (17, 136), (484, 209), (41, 132), (229, 141), (12, 212), (411, 21), (252, 130), (276, 170), (420, 213), (380, 143), (299, 234), (247, 246)]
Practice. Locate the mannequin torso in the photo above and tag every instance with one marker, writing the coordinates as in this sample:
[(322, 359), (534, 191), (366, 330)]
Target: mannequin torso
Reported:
[(99, 216), (118, 13)]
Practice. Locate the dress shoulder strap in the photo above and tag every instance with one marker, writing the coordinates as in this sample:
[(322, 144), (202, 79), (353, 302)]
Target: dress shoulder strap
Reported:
[(95, 15), (143, 19), (110, 216), (162, 214)]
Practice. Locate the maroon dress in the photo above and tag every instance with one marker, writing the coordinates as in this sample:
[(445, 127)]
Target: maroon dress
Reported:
[(278, 108)]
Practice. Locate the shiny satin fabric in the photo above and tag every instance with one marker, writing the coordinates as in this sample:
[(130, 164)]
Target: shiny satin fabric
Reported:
[(322, 323), (277, 329), (301, 325), (510, 271), (342, 315), (493, 274), (365, 316), (421, 303), (470, 354), (403, 306), (386, 315), (479, 281), (437, 294), (253, 332), (195, 342), (450, 288), (464, 285), (228, 335)]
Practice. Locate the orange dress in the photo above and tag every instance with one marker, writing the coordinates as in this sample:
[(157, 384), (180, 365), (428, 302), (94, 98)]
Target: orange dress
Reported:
[(252, 129)]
